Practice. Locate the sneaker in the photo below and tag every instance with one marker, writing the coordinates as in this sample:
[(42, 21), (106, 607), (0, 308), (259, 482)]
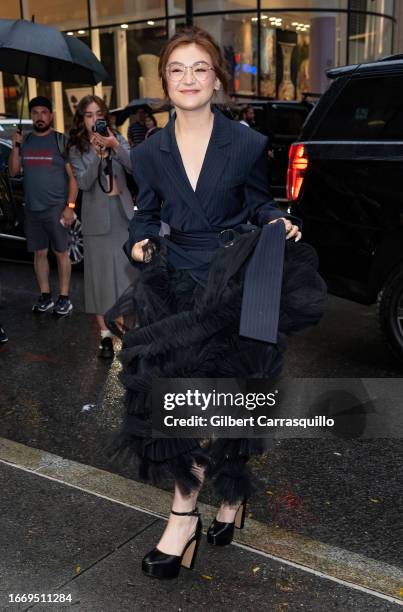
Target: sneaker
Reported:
[(106, 349), (63, 306), (43, 304), (3, 335)]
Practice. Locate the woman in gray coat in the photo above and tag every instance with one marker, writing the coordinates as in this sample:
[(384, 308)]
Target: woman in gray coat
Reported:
[(105, 216)]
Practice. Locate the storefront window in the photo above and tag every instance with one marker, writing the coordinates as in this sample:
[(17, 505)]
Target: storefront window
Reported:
[(299, 41), (44, 89), (105, 12), (10, 10), (284, 63), (286, 5), (377, 6), (107, 46), (73, 92), (296, 50), (10, 85), (237, 35), (369, 38), (12, 92), (201, 6), (143, 48), (63, 15), (176, 7)]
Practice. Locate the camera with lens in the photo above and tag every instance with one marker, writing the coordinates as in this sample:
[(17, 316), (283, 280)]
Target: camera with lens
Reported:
[(101, 127)]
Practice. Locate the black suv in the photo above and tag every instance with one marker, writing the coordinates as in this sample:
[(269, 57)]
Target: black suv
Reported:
[(282, 122), (344, 181)]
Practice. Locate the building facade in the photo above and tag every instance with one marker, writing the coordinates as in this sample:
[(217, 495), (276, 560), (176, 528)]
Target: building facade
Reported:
[(276, 48)]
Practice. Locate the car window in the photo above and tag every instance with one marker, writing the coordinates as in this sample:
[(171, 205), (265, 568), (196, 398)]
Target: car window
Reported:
[(11, 124), (284, 121), (4, 153), (366, 109)]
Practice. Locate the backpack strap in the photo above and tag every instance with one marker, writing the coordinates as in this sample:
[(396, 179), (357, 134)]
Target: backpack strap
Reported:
[(61, 142)]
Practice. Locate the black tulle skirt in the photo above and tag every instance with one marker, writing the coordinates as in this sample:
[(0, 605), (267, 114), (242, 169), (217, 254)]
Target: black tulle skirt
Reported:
[(174, 326)]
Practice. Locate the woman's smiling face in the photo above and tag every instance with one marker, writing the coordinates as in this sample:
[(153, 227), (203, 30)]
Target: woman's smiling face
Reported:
[(197, 84)]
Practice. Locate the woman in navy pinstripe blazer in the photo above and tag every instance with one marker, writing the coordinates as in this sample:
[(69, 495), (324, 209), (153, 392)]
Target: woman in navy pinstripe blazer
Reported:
[(234, 172), (198, 309)]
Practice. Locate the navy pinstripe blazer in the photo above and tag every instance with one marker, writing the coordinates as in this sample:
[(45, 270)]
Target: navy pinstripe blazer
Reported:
[(232, 187)]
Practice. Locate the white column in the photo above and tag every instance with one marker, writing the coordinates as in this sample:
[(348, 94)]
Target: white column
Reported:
[(398, 38), (2, 99), (32, 89), (122, 81), (171, 22), (58, 114), (213, 24), (341, 44), (96, 49), (322, 51)]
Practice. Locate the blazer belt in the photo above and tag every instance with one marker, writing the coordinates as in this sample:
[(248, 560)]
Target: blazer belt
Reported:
[(203, 240), (260, 310)]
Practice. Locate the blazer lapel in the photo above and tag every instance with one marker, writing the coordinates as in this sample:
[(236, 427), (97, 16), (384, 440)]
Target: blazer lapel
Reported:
[(216, 158), (177, 174)]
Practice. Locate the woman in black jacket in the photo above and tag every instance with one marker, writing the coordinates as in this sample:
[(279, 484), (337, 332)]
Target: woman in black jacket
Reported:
[(206, 302)]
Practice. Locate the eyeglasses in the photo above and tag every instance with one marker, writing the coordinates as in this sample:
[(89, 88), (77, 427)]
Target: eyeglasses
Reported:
[(200, 71)]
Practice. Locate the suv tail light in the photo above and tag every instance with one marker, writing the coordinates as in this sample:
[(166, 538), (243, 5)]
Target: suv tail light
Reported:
[(297, 165)]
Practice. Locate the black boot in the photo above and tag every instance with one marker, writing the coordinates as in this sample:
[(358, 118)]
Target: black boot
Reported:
[(158, 564), (221, 534)]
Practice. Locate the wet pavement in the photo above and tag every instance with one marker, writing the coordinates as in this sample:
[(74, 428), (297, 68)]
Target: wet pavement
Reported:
[(63, 543), (57, 396)]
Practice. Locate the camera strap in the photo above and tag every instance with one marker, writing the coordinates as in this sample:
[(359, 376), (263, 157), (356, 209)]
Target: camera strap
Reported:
[(106, 170)]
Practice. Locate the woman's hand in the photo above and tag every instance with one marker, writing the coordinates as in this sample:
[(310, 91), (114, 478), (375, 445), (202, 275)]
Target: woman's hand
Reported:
[(292, 231), (99, 149), (105, 142), (137, 250)]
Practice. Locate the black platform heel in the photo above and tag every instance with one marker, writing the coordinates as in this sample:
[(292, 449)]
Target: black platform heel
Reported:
[(158, 564), (222, 534)]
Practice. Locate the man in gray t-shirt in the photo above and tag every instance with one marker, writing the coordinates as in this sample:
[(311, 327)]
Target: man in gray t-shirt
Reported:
[(50, 194), (45, 176)]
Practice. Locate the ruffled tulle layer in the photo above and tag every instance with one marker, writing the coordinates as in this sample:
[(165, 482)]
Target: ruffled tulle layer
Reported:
[(174, 327)]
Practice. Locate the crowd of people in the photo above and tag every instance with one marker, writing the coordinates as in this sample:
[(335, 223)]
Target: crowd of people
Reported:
[(193, 303), (51, 202), (56, 168), (143, 126)]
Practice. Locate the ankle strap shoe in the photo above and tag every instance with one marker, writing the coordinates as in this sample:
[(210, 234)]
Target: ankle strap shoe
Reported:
[(222, 534), (158, 564), (194, 512)]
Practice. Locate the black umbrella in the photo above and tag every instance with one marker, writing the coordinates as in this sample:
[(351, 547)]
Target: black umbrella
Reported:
[(49, 54), (149, 105), (43, 52)]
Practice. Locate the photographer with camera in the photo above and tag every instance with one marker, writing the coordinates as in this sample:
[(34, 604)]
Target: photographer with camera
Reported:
[(99, 157)]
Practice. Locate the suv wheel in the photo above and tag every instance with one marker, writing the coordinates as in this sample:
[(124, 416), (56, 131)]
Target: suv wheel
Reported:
[(76, 245), (390, 311)]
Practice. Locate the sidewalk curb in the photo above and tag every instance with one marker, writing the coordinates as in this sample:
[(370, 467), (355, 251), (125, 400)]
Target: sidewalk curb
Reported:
[(353, 570)]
